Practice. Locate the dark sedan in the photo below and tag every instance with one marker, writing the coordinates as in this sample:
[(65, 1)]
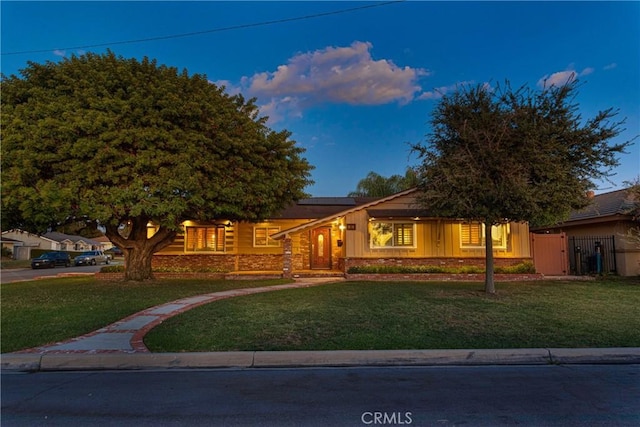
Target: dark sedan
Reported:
[(51, 260)]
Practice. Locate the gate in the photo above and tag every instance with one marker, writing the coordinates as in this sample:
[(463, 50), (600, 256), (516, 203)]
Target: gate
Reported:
[(549, 253), (592, 255)]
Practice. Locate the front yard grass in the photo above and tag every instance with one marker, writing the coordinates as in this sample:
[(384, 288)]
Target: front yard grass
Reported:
[(375, 315), (44, 311)]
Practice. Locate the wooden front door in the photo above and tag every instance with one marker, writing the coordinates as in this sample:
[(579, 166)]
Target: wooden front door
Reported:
[(321, 248)]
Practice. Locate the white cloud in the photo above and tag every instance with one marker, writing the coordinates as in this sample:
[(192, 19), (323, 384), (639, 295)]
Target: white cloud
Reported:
[(279, 108), (562, 78), (338, 75), (610, 66), (59, 52)]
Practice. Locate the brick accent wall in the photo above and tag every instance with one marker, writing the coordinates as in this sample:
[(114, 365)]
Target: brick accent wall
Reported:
[(260, 262), (440, 262), (221, 262)]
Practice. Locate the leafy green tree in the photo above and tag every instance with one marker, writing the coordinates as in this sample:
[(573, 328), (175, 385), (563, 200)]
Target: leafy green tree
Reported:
[(513, 155), (127, 142), (376, 185)]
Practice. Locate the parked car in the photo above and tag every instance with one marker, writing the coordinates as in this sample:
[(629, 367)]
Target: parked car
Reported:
[(51, 259), (91, 258)]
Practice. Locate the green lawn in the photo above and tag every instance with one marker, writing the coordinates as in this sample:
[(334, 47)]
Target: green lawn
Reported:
[(43, 311), (374, 315)]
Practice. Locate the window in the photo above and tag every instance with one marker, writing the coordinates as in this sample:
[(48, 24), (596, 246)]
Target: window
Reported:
[(261, 236), (472, 235), (392, 235), (204, 239)]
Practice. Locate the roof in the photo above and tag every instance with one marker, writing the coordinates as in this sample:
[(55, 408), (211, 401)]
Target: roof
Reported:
[(613, 203), (320, 207), (398, 213), (60, 237), (346, 209)]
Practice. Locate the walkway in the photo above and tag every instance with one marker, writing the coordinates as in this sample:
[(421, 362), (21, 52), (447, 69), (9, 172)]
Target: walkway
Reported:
[(127, 335)]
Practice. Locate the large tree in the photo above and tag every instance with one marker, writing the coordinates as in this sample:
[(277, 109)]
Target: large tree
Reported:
[(376, 185), (504, 154), (127, 142)]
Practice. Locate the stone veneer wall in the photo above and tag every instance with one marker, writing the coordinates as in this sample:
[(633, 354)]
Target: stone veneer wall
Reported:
[(223, 262), (440, 262), (260, 262)]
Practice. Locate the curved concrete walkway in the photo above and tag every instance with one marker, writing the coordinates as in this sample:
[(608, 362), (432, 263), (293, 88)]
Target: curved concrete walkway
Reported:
[(127, 335)]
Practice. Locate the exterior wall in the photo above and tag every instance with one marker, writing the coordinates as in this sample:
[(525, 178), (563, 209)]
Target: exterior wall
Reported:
[(240, 253), (434, 238)]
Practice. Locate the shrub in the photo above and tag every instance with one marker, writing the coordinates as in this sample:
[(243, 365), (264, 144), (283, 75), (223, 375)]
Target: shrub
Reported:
[(522, 268)]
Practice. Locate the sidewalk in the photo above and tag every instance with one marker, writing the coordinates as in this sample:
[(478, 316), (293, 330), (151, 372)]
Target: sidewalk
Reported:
[(121, 346)]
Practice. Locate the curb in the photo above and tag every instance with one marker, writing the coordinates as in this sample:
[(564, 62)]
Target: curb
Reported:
[(297, 359)]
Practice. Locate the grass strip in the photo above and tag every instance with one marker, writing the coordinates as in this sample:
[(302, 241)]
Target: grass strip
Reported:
[(44, 311), (384, 315)]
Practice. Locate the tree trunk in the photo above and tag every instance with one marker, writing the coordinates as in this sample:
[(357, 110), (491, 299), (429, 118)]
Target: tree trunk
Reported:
[(138, 247), (138, 264), (489, 286)]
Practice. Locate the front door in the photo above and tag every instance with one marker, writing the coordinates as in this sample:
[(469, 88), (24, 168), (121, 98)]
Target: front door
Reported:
[(321, 248)]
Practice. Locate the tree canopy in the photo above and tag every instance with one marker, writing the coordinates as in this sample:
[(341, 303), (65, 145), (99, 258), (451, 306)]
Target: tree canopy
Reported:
[(504, 154), (126, 141), (376, 185)]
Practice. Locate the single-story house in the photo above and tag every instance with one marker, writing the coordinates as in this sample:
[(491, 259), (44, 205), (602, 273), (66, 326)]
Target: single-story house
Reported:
[(332, 234), (606, 219), (49, 241)]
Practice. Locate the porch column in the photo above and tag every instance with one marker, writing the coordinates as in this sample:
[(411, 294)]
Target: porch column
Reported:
[(287, 260)]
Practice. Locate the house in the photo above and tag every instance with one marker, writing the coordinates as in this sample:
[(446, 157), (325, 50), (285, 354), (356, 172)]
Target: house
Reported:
[(600, 232), (53, 241), (69, 242), (331, 234)]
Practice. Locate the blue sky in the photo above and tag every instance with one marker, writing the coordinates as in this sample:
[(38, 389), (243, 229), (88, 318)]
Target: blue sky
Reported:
[(356, 87)]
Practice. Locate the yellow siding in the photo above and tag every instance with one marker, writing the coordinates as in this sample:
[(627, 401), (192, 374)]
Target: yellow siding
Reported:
[(434, 237)]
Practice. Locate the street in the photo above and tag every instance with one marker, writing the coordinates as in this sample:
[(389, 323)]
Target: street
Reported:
[(543, 395), (11, 275)]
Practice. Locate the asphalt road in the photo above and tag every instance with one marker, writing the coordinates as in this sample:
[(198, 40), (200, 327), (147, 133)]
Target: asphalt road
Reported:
[(14, 275), (547, 395)]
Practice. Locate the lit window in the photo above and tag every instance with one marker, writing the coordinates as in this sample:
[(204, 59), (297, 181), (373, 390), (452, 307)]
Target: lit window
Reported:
[(204, 239), (472, 235), (262, 236), (392, 235)]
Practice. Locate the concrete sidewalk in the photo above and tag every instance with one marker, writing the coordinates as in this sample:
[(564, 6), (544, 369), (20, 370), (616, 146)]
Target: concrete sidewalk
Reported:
[(121, 346)]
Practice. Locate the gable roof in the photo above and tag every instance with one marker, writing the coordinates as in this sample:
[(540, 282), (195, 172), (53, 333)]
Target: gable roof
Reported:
[(338, 213), (320, 207), (606, 204), (61, 237)]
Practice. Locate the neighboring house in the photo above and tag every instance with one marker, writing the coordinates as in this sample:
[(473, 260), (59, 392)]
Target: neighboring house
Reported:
[(49, 241), (71, 243), (332, 234), (606, 217)]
